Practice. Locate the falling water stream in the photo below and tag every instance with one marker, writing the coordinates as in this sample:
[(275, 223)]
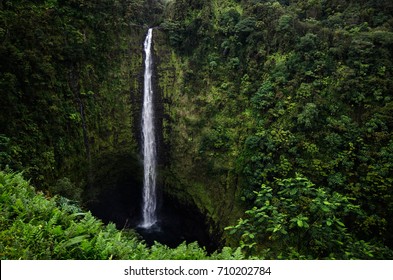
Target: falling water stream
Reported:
[(149, 215)]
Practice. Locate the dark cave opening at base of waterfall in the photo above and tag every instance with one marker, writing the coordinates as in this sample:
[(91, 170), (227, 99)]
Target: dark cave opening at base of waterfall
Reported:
[(120, 202), (178, 223)]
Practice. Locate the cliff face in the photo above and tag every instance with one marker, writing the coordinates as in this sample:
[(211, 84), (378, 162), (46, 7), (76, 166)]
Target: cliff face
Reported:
[(109, 119), (187, 175), (113, 192), (70, 92)]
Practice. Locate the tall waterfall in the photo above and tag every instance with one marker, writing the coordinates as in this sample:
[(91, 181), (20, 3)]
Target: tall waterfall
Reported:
[(149, 215)]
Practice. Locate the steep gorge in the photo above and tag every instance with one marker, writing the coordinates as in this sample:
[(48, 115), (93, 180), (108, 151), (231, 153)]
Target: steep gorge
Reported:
[(279, 94), (185, 210), (73, 84)]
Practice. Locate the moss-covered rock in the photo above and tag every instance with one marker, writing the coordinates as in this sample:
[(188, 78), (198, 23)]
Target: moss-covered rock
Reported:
[(188, 174)]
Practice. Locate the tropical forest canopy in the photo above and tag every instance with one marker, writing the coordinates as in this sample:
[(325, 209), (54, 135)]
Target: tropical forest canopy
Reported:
[(275, 116)]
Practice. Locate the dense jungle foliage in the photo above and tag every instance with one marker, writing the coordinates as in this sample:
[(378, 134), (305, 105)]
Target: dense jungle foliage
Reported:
[(279, 126)]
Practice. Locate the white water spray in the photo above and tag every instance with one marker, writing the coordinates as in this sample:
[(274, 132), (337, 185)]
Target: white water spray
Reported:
[(149, 215)]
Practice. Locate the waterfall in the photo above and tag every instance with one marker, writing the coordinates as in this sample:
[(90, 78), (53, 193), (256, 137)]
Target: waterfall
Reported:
[(149, 215)]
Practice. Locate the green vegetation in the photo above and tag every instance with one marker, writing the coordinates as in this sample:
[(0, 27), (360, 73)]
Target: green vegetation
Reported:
[(272, 89), (276, 123), (33, 226), (293, 219)]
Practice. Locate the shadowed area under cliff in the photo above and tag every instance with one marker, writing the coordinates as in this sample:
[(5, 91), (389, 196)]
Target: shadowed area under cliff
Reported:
[(116, 196)]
